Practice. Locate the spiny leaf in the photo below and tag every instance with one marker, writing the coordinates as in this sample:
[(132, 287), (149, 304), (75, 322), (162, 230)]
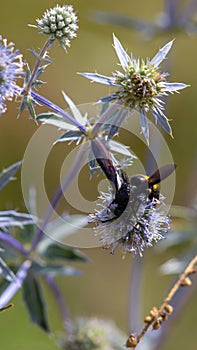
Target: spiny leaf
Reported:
[(56, 120), (74, 109), (54, 251), (71, 135), (7, 174), (34, 301), (13, 218)]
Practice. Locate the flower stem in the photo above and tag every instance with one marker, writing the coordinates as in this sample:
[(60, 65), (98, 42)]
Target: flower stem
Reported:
[(68, 324), (14, 286), (38, 61), (103, 118), (11, 241), (76, 166)]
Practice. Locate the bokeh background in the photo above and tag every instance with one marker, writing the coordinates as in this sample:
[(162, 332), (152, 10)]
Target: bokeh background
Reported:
[(102, 290)]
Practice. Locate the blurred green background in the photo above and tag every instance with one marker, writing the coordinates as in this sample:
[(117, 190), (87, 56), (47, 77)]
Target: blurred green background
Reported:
[(103, 288)]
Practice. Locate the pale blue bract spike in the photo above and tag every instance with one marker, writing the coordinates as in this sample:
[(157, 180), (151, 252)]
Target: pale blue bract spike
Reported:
[(121, 53), (161, 54)]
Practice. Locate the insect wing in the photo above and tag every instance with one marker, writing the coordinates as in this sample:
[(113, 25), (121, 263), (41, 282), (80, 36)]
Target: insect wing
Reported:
[(161, 174), (104, 159)]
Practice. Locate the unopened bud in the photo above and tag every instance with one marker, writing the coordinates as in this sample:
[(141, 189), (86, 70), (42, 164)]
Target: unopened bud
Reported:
[(154, 312), (148, 319), (169, 309), (131, 341), (186, 282), (156, 325)]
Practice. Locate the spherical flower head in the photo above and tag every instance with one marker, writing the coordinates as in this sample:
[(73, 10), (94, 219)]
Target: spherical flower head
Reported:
[(94, 334), (11, 68), (140, 86), (59, 22), (142, 223)]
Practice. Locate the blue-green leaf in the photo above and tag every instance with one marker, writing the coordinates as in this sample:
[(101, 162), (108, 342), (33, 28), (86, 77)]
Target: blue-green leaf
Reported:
[(56, 270), (76, 113), (60, 252), (31, 109), (162, 120), (69, 136), (13, 218), (56, 120), (120, 148), (98, 78), (7, 174), (34, 301)]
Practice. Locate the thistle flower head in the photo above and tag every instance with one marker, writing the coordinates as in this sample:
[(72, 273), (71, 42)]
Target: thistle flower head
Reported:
[(94, 333), (59, 22), (11, 68), (142, 223), (140, 86)]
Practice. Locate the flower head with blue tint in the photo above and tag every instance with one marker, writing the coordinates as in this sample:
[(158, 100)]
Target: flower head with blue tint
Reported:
[(142, 223), (59, 22), (141, 86), (11, 68)]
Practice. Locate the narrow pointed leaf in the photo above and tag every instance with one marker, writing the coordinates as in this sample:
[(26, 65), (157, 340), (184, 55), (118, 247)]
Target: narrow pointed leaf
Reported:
[(56, 270), (121, 53), (34, 301), (98, 78), (70, 135), (12, 218), (27, 75), (117, 119), (174, 87), (41, 70), (163, 121), (31, 109), (23, 106), (74, 109), (108, 98), (56, 120), (144, 125), (120, 148), (7, 174), (6, 272), (161, 54), (60, 252)]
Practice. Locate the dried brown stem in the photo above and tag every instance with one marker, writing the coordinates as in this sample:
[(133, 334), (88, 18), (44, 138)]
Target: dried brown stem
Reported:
[(158, 315), (6, 307)]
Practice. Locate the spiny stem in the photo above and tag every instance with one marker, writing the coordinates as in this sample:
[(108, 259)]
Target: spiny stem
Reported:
[(132, 341), (76, 166), (101, 120), (38, 61)]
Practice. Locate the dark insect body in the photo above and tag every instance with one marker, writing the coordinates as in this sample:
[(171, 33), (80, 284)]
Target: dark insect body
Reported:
[(125, 189)]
